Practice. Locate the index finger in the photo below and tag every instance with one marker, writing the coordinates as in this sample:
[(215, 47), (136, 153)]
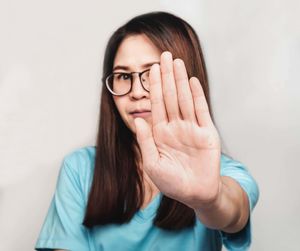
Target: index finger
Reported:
[(158, 109)]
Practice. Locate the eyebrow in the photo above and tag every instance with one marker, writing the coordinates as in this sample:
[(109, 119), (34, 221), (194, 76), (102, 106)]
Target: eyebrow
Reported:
[(126, 68)]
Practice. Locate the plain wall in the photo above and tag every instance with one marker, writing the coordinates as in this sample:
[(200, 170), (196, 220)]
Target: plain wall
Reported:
[(50, 68)]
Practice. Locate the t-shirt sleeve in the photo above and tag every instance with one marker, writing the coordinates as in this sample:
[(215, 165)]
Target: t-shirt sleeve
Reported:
[(241, 240), (62, 228)]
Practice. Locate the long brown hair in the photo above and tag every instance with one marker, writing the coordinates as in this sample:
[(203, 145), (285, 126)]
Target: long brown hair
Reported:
[(117, 191)]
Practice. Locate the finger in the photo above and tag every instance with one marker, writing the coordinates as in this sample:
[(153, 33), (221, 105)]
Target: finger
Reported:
[(158, 110), (146, 142), (169, 86), (200, 104), (184, 95)]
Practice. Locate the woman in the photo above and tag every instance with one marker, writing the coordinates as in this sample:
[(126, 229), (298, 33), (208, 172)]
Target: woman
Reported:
[(157, 179)]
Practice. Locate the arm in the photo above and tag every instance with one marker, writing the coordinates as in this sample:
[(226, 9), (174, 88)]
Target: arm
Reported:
[(229, 212), (181, 152)]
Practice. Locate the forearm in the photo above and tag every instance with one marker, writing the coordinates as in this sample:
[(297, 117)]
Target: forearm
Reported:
[(229, 212)]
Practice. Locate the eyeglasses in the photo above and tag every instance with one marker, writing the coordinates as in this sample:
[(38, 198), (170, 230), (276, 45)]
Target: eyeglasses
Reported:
[(120, 83)]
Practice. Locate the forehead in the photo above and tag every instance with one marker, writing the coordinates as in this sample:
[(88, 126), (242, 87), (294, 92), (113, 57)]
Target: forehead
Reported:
[(136, 50)]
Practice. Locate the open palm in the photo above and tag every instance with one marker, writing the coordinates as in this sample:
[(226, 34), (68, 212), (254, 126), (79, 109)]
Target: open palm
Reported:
[(181, 149)]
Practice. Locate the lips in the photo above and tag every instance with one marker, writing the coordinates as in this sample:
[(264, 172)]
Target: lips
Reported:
[(142, 113)]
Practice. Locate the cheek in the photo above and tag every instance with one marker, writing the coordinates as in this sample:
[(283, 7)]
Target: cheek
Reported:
[(121, 106)]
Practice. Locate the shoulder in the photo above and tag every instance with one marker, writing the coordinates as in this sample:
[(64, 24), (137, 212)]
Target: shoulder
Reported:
[(227, 162), (240, 173), (78, 168), (81, 158)]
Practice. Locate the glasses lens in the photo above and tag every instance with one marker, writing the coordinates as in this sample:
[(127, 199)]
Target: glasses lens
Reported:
[(119, 83), (146, 80)]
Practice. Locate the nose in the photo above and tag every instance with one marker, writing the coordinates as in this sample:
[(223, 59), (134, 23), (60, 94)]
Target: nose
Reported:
[(137, 90)]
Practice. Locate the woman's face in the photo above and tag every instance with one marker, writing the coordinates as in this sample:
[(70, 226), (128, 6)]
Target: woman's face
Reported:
[(135, 54)]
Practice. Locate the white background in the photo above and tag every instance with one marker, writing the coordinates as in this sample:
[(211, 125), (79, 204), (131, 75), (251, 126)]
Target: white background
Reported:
[(50, 68)]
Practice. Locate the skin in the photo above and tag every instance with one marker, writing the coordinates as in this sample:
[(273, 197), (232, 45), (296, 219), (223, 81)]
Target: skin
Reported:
[(180, 145)]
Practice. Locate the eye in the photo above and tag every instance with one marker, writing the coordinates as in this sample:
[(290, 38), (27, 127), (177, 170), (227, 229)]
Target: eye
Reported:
[(123, 76)]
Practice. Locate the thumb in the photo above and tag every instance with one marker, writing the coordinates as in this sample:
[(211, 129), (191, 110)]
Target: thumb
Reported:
[(146, 142)]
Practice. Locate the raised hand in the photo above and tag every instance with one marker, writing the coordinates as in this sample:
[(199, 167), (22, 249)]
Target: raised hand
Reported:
[(181, 149)]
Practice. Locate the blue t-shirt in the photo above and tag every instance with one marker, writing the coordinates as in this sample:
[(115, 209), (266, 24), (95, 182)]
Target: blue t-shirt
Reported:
[(63, 227)]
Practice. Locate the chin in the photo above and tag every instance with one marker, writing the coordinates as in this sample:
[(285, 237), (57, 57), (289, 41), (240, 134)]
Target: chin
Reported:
[(131, 127)]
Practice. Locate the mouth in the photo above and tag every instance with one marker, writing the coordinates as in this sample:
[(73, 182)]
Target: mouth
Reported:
[(140, 113)]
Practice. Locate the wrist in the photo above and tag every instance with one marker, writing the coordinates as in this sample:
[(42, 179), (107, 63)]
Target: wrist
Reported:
[(213, 202)]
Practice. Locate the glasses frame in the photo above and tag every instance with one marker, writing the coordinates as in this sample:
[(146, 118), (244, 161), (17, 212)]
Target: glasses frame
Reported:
[(131, 81)]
